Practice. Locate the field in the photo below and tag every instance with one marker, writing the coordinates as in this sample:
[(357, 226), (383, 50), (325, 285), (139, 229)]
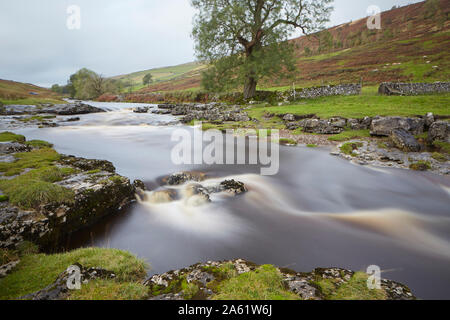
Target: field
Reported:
[(12, 92)]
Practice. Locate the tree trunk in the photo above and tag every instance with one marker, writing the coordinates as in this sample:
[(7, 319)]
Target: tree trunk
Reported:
[(250, 88)]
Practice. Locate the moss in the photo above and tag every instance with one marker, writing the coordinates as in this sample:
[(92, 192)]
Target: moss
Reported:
[(350, 134), (36, 271), (110, 290), (439, 157), (36, 187), (349, 148), (355, 289), (420, 166), (39, 144), (442, 146), (190, 290), (9, 136), (312, 145), (265, 283), (93, 171), (4, 198), (382, 145), (285, 141), (37, 118), (28, 160)]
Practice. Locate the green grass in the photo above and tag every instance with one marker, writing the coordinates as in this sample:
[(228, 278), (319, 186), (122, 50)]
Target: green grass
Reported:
[(11, 137), (37, 271), (37, 118), (439, 157), (287, 141), (349, 148), (355, 289), (265, 283), (368, 104), (32, 101), (40, 144), (442, 146), (420, 166), (35, 159), (110, 290), (350, 134), (4, 198), (312, 145)]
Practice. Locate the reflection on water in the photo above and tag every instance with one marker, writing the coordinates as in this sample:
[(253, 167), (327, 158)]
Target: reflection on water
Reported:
[(319, 211)]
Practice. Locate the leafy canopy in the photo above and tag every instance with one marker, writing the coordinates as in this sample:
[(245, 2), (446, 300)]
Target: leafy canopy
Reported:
[(245, 40)]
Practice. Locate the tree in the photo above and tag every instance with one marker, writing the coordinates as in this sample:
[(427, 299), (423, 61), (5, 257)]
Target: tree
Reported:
[(246, 40), (148, 78)]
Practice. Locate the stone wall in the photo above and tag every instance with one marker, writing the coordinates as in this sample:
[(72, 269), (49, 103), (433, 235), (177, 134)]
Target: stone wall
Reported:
[(325, 91), (410, 89)]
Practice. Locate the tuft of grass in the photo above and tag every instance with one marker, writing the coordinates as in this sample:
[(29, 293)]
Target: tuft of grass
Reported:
[(349, 148), (37, 118), (287, 141), (110, 290), (36, 271), (36, 187), (350, 134), (439, 157), (39, 144), (312, 145), (420, 166), (11, 137), (355, 289), (442, 146), (7, 256), (3, 198), (29, 160), (265, 283), (93, 171)]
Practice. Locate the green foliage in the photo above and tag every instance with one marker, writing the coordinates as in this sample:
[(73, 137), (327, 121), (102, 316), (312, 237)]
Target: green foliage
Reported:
[(439, 157), (85, 84), (7, 256), (3, 198), (311, 145), (265, 283), (245, 41), (38, 158), (350, 134), (442, 146), (37, 118), (110, 290), (355, 289), (11, 137), (148, 78), (36, 271), (287, 141), (420, 166), (350, 148), (40, 144)]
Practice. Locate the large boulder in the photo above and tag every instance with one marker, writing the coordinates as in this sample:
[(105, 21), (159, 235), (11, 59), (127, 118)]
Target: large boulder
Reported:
[(439, 131), (405, 141), (332, 126), (384, 126)]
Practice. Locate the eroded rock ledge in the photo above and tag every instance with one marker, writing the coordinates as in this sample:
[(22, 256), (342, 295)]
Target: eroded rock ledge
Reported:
[(205, 279), (93, 191)]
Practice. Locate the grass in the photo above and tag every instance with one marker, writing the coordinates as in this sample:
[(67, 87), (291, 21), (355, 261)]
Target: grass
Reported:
[(37, 118), (40, 144), (265, 283), (355, 289), (31, 101), (349, 148), (287, 142), (420, 166), (35, 159), (36, 271), (11, 137), (312, 145), (367, 104), (442, 146), (350, 134), (439, 157), (110, 290)]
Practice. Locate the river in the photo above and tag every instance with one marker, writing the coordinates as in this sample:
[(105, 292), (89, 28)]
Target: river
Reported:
[(318, 211)]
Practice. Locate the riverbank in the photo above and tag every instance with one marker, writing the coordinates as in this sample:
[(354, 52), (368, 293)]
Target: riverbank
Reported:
[(109, 274)]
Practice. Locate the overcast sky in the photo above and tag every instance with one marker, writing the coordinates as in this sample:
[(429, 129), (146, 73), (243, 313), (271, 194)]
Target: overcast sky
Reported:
[(116, 36)]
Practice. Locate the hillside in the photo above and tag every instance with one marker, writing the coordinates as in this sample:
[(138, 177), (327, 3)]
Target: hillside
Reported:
[(12, 92), (413, 45)]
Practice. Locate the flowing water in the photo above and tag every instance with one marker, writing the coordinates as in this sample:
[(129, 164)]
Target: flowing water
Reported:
[(319, 211)]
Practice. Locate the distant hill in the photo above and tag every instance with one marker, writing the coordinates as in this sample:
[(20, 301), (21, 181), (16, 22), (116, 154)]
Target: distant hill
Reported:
[(12, 92), (413, 45)]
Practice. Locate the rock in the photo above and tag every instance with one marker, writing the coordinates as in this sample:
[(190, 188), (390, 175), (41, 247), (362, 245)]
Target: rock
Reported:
[(323, 126), (234, 187), (429, 119), (383, 126), (289, 118), (292, 126), (439, 131), (405, 141), (13, 147), (88, 164), (138, 184), (71, 109), (74, 119), (183, 177), (8, 268), (59, 289), (141, 110)]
